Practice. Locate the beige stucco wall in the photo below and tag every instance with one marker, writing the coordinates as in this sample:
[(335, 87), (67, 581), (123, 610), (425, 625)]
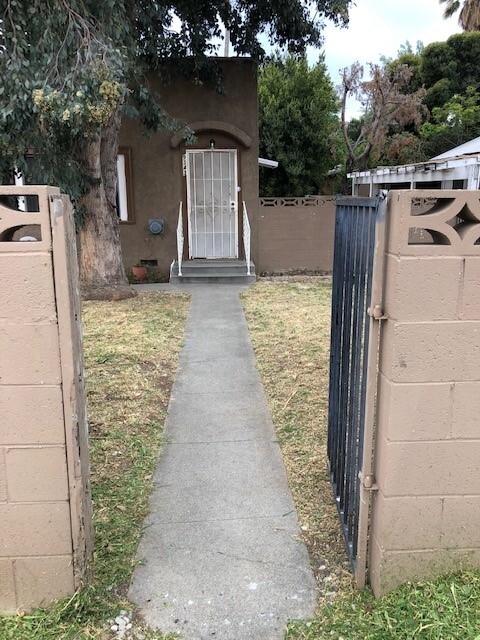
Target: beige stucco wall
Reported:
[(427, 508), (45, 536), (296, 234), (158, 182)]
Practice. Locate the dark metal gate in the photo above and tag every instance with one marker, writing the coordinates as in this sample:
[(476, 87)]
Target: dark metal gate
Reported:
[(356, 243)]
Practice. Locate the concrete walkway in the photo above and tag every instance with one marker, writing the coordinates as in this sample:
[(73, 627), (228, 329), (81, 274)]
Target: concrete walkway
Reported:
[(222, 557)]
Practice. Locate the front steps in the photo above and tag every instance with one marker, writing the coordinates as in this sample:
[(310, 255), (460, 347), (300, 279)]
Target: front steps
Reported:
[(212, 271)]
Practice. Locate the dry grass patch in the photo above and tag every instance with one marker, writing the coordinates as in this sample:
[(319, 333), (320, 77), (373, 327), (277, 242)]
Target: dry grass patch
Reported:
[(131, 350), (289, 325), (290, 329)]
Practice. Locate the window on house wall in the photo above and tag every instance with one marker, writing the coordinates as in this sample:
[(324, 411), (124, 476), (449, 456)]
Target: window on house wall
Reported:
[(397, 185), (125, 188), (429, 184), (27, 203), (125, 208), (19, 181)]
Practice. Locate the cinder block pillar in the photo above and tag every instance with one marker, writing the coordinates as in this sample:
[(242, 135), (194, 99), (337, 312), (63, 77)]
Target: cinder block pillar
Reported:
[(426, 511), (45, 523)]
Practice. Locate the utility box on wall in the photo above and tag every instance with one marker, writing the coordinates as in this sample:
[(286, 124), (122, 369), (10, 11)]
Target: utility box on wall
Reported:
[(45, 509)]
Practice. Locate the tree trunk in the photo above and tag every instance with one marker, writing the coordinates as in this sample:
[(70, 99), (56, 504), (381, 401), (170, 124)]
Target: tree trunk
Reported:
[(102, 274), (346, 185), (108, 160)]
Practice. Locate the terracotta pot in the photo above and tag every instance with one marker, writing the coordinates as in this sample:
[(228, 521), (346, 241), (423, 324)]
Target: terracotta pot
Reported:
[(139, 273)]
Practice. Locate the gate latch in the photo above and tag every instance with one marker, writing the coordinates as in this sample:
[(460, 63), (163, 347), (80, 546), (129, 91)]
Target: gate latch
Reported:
[(376, 312), (368, 483)]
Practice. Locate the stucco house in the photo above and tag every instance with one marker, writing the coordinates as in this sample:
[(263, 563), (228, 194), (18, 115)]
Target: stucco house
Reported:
[(198, 204), (190, 204), (458, 168)]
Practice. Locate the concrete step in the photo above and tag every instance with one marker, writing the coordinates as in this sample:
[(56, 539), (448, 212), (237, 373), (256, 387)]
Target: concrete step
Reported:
[(213, 266), (215, 271)]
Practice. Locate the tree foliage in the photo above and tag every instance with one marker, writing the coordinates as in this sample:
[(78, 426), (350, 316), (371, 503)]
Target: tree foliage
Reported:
[(469, 15), (388, 108), (448, 68), (70, 69), (63, 74), (453, 123), (298, 117), (450, 74), (445, 83)]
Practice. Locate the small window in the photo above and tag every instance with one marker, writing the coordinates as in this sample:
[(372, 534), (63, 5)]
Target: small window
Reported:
[(430, 184), (20, 182), (26, 203), (125, 190)]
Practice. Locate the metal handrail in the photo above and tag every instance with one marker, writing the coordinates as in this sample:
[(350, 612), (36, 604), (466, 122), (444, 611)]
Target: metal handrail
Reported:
[(246, 236), (180, 239)]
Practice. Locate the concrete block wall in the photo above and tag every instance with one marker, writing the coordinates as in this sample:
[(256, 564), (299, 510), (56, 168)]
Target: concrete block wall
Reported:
[(426, 511), (45, 536), (296, 234)]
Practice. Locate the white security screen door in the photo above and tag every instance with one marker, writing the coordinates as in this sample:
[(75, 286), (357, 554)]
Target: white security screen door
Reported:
[(212, 203)]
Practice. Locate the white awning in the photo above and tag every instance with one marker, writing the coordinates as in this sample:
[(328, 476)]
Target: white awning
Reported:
[(271, 164)]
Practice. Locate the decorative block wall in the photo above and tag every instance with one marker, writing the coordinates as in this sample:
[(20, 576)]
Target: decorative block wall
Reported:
[(296, 234), (426, 512), (45, 519)]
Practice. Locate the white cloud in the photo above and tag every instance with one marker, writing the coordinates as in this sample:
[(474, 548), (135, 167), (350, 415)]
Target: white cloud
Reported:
[(379, 28)]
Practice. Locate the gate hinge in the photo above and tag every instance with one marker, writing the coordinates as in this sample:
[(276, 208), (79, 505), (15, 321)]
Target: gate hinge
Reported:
[(376, 312), (184, 164), (368, 483)]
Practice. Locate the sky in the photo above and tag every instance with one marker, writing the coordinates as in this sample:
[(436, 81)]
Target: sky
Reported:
[(380, 27)]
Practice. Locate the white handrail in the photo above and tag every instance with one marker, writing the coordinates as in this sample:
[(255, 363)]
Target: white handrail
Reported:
[(246, 236), (180, 239)]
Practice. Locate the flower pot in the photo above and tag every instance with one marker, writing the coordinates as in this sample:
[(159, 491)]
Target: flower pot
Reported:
[(139, 273)]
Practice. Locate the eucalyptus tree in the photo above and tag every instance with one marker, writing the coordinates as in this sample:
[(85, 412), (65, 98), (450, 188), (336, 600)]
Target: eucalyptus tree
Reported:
[(65, 69), (469, 16), (71, 68)]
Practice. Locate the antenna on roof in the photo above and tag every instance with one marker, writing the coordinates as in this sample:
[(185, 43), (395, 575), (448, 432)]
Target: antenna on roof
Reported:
[(226, 51)]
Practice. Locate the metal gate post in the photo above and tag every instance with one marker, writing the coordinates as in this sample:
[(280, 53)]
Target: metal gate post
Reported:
[(356, 309), (366, 476)]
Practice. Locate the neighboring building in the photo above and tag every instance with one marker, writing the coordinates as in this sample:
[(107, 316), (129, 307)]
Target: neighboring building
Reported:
[(458, 168), (208, 186)]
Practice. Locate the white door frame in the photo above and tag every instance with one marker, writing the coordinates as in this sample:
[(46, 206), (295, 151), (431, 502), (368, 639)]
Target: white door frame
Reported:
[(202, 208)]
